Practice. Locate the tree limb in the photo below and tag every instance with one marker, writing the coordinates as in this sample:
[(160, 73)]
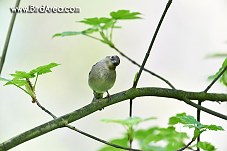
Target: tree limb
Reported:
[(99, 104)]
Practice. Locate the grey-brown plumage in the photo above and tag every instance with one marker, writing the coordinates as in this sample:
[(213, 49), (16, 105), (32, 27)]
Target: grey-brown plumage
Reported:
[(103, 75)]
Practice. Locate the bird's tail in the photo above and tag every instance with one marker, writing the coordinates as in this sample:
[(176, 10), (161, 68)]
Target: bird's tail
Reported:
[(97, 96)]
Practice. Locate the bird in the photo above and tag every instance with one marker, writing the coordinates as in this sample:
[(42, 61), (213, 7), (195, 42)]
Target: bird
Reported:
[(103, 76)]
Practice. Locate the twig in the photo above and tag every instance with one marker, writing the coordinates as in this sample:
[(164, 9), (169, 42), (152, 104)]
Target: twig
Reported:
[(137, 64), (152, 43), (198, 119), (205, 91), (100, 140), (8, 38), (199, 107), (186, 146), (84, 133), (147, 55), (216, 78), (45, 110)]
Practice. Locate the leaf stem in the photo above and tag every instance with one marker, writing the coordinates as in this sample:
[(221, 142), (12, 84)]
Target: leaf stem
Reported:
[(21, 88), (111, 30), (36, 79), (93, 37), (17, 86)]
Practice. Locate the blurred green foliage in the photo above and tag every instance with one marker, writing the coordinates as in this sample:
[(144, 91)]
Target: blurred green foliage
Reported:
[(157, 138)]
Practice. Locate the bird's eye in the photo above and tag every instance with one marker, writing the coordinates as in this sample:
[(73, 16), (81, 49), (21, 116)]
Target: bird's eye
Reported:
[(112, 58)]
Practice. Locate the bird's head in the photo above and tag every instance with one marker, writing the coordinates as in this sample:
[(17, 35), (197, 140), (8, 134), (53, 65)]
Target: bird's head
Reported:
[(112, 61)]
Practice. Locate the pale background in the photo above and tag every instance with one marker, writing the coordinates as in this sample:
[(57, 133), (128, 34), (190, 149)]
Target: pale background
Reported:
[(192, 30)]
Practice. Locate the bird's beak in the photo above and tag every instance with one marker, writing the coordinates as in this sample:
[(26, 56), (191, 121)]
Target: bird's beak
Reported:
[(116, 63)]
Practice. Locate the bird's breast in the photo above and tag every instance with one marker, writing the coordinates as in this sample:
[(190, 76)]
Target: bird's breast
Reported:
[(101, 79)]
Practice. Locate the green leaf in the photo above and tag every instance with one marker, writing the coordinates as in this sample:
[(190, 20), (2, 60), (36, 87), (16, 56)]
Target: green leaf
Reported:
[(125, 14), (129, 122), (206, 146), (213, 127), (22, 75), (119, 141), (224, 64), (141, 134), (17, 82), (108, 25), (89, 30), (197, 133), (217, 55), (169, 136), (187, 120), (223, 78), (67, 33), (96, 21), (43, 69)]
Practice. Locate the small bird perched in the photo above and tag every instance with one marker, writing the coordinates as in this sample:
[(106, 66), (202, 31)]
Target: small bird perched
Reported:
[(103, 75)]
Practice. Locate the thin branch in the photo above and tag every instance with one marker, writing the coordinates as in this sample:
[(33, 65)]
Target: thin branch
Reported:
[(199, 120), (205, 91), (147, 55), (99, 104), (100, 140), (84, 133), (2, 61), (137, 64), (186, 146), (152, 43), (216, 78), (186, 100), (45, 110)]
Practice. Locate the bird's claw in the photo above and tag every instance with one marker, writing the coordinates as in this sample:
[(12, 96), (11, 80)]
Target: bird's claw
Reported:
[(108, 96)]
